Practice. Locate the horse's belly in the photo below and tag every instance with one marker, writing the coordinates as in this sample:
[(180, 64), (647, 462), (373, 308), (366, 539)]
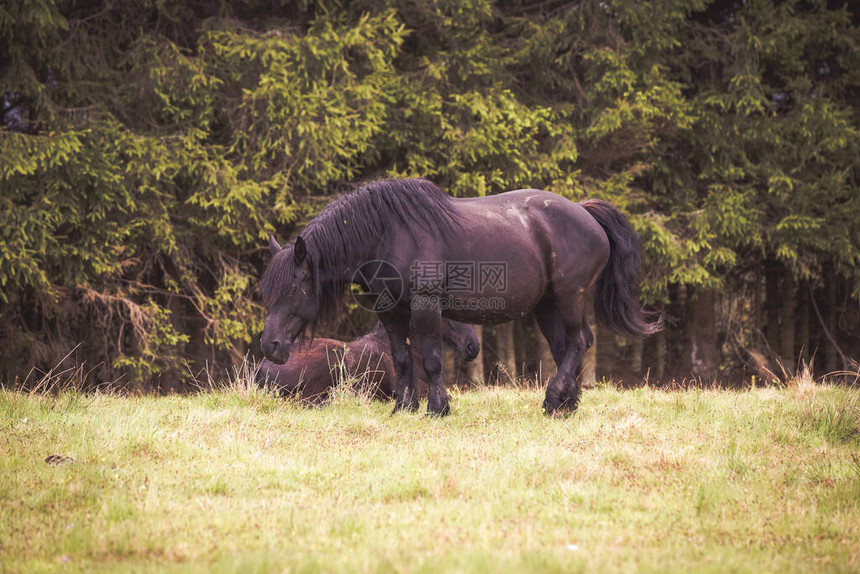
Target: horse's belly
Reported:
[(494, 272), (491, 285), (484, 311)]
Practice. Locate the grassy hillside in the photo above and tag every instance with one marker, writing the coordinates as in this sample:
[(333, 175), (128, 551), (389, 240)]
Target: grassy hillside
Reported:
[(238, 480)]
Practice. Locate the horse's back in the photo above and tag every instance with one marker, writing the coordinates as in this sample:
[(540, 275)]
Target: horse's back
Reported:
[(538, 206), (545, 241), (534, 214)]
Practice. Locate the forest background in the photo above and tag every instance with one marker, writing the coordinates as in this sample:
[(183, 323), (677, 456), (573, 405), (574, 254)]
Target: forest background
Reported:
[(147, 148)]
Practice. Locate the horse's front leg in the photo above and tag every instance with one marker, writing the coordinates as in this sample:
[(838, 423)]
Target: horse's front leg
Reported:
[(427, 328), (405, 393)]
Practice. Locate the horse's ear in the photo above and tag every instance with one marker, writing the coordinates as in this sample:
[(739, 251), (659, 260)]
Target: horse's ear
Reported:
[(274, 248), (300, 250)]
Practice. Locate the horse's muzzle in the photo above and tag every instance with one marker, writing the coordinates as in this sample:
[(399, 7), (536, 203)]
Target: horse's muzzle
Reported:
[(275, 350), (472, 351)]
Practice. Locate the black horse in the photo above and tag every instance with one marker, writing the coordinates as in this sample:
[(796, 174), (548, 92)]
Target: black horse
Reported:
[(477, 260)]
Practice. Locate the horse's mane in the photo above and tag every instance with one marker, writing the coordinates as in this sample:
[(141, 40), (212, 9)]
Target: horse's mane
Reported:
[(354, 224)]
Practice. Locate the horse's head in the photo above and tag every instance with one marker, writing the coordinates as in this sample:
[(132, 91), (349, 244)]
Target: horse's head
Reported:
[(462, 338), (291, 297)]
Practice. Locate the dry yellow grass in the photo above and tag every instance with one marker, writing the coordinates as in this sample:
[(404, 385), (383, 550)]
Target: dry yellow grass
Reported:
[(240, 480)]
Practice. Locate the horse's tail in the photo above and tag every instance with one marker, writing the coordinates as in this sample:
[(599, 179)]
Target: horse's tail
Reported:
[(615, 302)]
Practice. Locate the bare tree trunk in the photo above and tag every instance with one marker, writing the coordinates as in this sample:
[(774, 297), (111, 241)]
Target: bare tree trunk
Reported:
[(507, 352), (789, 312), (474, 370), (638, 346), (803, 322), (588, 368), (450, 367), (488, 355), (546, 364), (772, 276), (831, 359), (758, 323), (674, 337), (700, 350), (661, 355)]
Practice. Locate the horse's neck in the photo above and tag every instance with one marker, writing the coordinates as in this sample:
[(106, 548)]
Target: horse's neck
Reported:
[(347, 261)]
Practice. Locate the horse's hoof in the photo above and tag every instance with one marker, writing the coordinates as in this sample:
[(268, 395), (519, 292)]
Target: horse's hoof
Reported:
[(562, 404), (560, 408), (437, 406), (569, 404), (550, 407), (439, 412)]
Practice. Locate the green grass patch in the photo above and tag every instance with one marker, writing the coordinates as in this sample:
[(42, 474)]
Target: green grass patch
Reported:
[(240, 480)]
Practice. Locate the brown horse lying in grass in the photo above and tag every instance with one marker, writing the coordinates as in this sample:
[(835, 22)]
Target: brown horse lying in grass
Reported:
[(315, 368)]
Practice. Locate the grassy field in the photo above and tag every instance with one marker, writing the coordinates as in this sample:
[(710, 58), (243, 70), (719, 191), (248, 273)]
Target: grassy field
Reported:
[(238, 480)]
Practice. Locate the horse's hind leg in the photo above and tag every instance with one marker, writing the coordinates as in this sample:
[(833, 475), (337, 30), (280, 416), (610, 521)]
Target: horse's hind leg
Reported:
[(563, 391), (552, 328)]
